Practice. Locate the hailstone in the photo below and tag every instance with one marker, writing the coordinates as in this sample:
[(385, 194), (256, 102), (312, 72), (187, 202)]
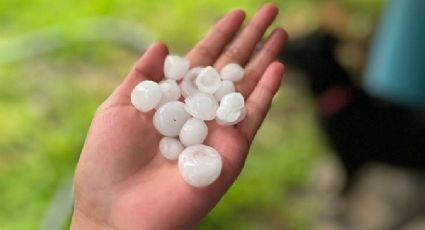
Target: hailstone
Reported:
[(175, 67), (202, 106), (232, 72), (187, 85), (208, 80), (146, 95), (227, 115), (242, 115), (193, 132), (170, 148), (200, 165), (170, 91), (226, 88), (169, 118), (232, 101), (231, 110)]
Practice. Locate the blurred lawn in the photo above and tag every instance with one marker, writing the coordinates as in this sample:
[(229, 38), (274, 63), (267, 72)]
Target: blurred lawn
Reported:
[(58, 62)]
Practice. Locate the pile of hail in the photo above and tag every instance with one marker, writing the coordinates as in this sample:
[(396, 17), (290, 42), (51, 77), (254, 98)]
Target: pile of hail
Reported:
[(208, 95)]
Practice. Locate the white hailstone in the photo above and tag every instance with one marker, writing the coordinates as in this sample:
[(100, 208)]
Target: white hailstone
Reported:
[(231, 110), (242, 115), (232, 72), (208, 80), (200, 165), (193, 132), (232, 101), (226, 115), (169, 118), (170, 91), (175, 67), (187, 85), (193, 73), (226, 88), (187, 88), (170, 148), (146, 95), (202, 106)]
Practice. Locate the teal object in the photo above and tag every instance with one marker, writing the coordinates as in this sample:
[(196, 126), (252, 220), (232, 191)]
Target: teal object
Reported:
[(396, 67)]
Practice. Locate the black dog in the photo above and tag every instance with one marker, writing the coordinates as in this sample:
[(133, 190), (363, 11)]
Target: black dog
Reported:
[(362, 128)]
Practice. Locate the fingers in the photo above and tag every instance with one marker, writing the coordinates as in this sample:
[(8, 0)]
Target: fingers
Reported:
[(207, 50), (256, 67), (242, 47), (148, 67), (259, 101)]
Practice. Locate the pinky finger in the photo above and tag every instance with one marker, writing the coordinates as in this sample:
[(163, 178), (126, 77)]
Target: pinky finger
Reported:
[(259, 101)]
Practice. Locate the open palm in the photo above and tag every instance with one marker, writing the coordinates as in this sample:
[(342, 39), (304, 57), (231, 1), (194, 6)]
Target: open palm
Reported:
[(122, 182)]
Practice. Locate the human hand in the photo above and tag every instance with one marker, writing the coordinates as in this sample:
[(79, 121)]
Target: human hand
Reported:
[(122, 182)]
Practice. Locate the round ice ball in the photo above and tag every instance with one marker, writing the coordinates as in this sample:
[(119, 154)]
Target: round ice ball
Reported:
[(170, 91), (187, 88), (169, 118), (175, 67), (170, 148), (227, 115), (232, 101), (146, 95), (193, 132), (226, 122), (200, 165), (232, 72), (208, 80), (202, 106), (226, 88), (193, 73), (187, 85)]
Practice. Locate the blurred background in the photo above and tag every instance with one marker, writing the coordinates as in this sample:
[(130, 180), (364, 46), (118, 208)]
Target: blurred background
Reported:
[(60, 59)]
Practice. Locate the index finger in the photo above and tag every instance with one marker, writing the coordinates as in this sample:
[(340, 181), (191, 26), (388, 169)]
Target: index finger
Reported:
[(243, 46), (208, 49)]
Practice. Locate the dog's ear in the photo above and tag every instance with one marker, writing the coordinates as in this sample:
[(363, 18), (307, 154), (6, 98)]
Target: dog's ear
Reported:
[(314, 54)]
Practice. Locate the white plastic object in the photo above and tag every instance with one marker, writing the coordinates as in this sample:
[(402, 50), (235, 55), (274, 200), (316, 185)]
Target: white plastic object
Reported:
[(208, 80), (146, 96), (193, 132), (169, 118), (232, 72), (226, 88), (187, 85), (170, 148), (202, 106), (170, 91), (200, 165), (175, 67)]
